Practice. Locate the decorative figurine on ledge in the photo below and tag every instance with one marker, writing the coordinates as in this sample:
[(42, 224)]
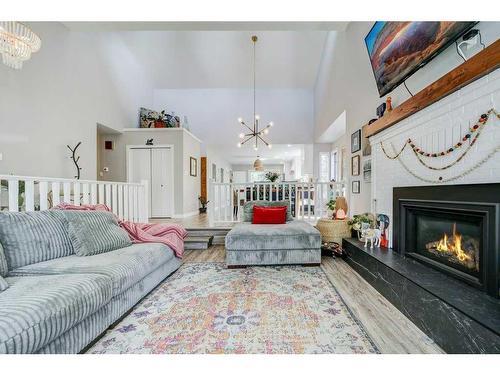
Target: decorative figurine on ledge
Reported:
[(381, 110), (373, 235), (388, 104), (383, 223)]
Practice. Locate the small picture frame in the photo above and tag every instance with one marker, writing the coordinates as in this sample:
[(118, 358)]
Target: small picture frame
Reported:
[(355, 161), (367, 171), (367, 176), (193, 166), (109, 145), (355, 187), (356, 141)]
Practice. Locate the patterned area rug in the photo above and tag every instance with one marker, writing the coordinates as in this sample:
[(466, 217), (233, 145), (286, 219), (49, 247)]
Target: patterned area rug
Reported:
[(206, 308)]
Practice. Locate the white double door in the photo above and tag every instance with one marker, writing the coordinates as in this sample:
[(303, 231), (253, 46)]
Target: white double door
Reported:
[(156, 165)]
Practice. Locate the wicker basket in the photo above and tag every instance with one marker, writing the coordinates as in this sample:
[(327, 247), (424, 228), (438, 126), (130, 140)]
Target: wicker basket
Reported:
[(333, 230)]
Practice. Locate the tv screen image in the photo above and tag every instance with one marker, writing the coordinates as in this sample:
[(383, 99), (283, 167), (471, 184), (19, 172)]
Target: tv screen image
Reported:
[(399, 49)]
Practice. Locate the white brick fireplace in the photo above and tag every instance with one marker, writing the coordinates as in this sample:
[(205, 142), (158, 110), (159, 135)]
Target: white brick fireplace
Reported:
[(437, 128)]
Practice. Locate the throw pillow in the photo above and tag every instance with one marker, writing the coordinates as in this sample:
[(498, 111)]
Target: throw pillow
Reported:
[(3, 263), (248, 208), (269, 215), (95, 232), (33, 237), (3, 284)]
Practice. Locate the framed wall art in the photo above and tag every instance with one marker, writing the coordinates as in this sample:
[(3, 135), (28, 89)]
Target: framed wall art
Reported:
[(356, 141), (193, 166), (355, 187), (355, 160)]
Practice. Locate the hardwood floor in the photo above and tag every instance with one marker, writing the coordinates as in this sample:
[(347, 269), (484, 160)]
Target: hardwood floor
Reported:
[(391, 331), (190, 222)]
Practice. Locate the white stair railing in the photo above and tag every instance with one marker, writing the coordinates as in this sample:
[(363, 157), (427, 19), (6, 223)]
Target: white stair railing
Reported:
[(129, 201), (308, 200)]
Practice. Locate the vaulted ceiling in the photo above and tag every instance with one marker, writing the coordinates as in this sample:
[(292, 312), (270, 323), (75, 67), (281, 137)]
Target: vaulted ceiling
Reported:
[(223, 59), (204, 71), (219, 54)]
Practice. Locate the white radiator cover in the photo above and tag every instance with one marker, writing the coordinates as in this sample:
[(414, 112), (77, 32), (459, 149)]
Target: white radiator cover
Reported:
[(437, 128)]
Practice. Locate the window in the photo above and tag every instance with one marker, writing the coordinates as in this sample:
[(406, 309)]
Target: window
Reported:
[(329, 168), (334, 166), (257, 176), (214, 172), (324, 166)]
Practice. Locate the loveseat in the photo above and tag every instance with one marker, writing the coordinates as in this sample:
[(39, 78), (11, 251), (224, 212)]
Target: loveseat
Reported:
[(295, 242), (66, 276)]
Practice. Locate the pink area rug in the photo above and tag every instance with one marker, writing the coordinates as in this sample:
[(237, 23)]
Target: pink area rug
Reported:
[(206, 308)]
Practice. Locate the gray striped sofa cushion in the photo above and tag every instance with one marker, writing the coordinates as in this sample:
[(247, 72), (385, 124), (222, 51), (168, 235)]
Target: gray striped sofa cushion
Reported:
[(35, 310), (124, 266), (32, 237), (3, 263), (3, 284), (78, 337), (95, 232)]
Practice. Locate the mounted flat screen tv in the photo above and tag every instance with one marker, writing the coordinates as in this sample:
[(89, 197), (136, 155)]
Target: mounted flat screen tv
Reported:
[(399, 49)]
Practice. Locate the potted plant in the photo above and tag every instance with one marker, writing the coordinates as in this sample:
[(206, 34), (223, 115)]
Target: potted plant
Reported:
[(331, 208), (203, 202), (358, 221), (272, 176)]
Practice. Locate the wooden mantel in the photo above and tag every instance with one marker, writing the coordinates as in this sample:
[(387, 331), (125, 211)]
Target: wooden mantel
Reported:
[(477, 66)]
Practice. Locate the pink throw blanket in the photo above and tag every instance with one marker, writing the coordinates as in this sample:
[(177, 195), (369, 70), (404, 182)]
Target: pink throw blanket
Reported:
[(171, 235)]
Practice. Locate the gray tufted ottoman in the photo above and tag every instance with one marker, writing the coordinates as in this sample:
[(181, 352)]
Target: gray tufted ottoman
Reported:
[(295, 242)]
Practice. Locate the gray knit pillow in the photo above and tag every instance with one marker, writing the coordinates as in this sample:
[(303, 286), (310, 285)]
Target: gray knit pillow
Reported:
[(33, 237), (3, 284), (95, 232), (3, 263)]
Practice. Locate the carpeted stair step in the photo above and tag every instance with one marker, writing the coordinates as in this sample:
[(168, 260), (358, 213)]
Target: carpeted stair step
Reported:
[(198, 242)]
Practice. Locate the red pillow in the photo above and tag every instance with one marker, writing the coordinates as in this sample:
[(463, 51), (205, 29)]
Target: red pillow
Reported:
[(269, 215)]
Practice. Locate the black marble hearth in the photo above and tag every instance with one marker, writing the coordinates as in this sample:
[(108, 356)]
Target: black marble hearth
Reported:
[(458, 317)]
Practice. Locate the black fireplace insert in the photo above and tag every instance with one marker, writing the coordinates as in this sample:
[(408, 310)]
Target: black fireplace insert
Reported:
[(452, 228)]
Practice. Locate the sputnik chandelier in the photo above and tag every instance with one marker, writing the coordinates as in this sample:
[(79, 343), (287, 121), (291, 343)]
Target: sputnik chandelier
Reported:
[(255, 134), (17, 43)]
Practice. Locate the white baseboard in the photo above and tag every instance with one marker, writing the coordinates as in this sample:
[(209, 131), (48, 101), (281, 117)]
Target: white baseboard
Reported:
[(182, 216)]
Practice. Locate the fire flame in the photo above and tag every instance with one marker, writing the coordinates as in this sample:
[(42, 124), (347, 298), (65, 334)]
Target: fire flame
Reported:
[(453, 245)]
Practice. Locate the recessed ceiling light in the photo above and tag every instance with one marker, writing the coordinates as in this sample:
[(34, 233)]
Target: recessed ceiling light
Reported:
[(289, 145)]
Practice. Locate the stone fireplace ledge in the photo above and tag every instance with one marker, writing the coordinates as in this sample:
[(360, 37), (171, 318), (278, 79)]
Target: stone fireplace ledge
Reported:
[(458, 317)]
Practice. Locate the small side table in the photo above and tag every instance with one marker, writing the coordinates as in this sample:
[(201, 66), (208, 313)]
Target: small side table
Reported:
[(333, 230)]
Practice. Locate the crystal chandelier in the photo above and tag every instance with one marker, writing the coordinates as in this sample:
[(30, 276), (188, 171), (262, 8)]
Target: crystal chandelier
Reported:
[(17, 43), (255, 133)]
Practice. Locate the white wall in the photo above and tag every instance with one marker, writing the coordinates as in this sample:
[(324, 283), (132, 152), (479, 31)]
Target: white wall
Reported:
[(214, 157), (346, 82), (213, 113), (74, 82), (191, 184), (436, 128)]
